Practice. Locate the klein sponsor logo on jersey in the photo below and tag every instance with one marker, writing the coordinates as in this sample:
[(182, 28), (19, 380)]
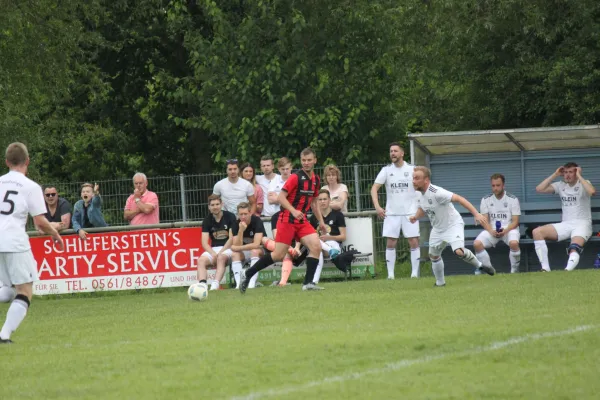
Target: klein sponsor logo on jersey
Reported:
[(569, 199), (499, 215), (399, 185)]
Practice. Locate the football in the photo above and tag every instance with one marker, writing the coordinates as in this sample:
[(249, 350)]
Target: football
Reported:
[(198, 292)]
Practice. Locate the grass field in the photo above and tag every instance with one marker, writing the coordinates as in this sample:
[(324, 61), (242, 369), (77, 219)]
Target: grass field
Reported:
[(526, 336)]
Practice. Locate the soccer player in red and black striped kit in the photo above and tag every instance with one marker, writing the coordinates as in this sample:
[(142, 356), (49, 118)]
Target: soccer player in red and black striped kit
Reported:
[(299, 194)]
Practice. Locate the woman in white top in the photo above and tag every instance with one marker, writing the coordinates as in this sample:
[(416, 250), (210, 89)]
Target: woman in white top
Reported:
[(337, 190)]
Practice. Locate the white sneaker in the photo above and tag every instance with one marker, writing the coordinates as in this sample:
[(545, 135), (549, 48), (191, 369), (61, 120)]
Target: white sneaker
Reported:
[(312, 286), (390, 278), (414, 276), (514, 270)]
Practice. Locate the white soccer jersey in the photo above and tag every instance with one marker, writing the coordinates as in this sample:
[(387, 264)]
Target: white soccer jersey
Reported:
[(265, 184), (576, 202), (233, 194), (437, 204), (400, 192), (501, 209), (19, 196)]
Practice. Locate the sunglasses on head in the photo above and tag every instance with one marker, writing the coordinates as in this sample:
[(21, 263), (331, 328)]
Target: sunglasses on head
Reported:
[(51, 194), (232, 161)]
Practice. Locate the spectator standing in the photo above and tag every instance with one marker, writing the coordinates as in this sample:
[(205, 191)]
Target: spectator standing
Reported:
[(233, 190), (267, 166), (87, 212), (58, 209), (141, 207), (249, 174), (337, 190)]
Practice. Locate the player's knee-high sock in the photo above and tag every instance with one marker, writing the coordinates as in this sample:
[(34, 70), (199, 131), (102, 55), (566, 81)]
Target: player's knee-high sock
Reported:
[(414, 262), (236, 267), (542, 252), (286, 270), (319, 269), (252, 283), (484, 257), (573, 261), (7, 294), (261, 264), (390, 260), (311, 268), (469, 257), (437, 266), (515, 260), (15, 315), (325, 246)]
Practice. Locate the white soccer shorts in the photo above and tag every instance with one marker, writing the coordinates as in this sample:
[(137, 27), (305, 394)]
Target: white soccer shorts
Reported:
[(453, 236), (18, 268), (570, 229), (227, 252), (491, 241), (333, 244), (393, 224)]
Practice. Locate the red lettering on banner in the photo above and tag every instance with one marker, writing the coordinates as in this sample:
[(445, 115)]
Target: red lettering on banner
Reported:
[(119, 253)]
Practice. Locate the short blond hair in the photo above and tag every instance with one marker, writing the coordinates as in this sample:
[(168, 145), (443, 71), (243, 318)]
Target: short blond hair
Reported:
[(87, 184), (17, 154), (283, 161), (333, 170), (426, 171)]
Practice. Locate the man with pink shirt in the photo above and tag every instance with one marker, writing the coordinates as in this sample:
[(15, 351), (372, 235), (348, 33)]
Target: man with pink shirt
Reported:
[(142, 206)]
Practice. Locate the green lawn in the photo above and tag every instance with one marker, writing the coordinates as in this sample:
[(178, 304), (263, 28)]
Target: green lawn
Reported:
[(526, 336)]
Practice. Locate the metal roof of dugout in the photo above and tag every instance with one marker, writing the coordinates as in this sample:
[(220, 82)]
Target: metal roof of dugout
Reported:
[(502, 140)]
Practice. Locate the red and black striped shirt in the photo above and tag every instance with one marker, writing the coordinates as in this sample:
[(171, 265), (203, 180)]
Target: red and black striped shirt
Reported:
[(301, 189)]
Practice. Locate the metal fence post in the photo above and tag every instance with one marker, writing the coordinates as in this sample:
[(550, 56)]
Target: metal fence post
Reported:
[(357, 187), (182, 191)]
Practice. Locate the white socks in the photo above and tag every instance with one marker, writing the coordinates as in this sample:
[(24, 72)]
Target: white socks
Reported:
[(515, 261), (252, 283), (542, 252), (214, 285), (7, 294), (573, 261), (437, 266), (390, 260), (15, 315), (484, 257), (236, 267), (415, 254), (470, 258), (319, 269)]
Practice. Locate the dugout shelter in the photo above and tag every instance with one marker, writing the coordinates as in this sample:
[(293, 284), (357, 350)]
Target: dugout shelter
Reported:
[(463, 162)]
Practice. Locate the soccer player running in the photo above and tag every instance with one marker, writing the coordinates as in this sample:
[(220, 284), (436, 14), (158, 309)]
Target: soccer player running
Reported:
[(502, 210), (299, 194), (248, 233), (19, 196), (333, 236), (400, 204), (575, 194), (448, 227)]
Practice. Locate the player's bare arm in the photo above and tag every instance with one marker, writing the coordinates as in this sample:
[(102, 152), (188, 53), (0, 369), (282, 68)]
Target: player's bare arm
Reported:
[(418, 215), (252, 201), (587, 185), (206, 244), (480, 219), (283, 202), (256, 244), (42, 223), (545, 185), (375, 199), (229, 242)]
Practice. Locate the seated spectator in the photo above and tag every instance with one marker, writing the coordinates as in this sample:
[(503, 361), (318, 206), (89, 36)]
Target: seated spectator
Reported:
[(337, 190), (234, 190), (141, 207), (247, 242), (249, 174), (58, 209), (217, 238), (336, 231), (88, 211)]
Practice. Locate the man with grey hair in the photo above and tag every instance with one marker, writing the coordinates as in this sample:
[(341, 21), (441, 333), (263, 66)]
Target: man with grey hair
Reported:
[(142, 206)]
